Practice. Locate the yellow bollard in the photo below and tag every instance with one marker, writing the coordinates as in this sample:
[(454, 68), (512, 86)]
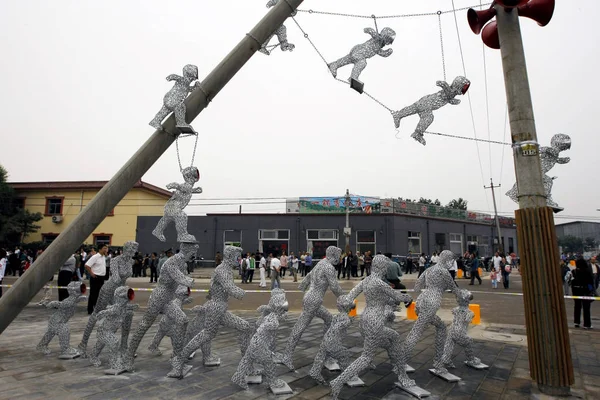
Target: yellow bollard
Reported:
[(477, 311), (410, 312), (459, 273), (352, 312)]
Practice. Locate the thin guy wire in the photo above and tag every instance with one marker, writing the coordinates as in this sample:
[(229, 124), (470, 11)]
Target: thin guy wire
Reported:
[(177, 148), (310, 11), (504, 138), (311, 42), (468, 138), (487, 102), (375, 21), (439, 14)]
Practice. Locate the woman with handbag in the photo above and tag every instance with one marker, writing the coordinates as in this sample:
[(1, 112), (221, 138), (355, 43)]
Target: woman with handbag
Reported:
[(582, 285)]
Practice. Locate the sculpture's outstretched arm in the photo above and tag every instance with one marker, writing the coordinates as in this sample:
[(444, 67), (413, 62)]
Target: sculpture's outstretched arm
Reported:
[(563, 160), (420, 282), (305, 282), (174, 77), (372, 32), (356, 290), (444, 85), (174, 185), (385, 53), (334, 284), (231, 288)]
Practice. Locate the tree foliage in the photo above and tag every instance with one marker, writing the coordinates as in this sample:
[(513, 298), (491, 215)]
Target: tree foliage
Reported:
[(458, 204), (590, 243), (435, 202), (570, 243)]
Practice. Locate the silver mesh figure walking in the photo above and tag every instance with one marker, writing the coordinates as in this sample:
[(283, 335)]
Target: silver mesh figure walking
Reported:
[(172, 322), (281, 33)]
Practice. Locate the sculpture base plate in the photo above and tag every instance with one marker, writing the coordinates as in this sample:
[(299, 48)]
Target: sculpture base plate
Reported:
[(415, 391), (256, 379), (186, 369), (191, 356), (409, 369), (479, 366), (332, 366), (186, 130), (285, 389), (213, 363), (357, 85), (355, 382), (556, 210), (448, 377), (114, 372), (69, 356)]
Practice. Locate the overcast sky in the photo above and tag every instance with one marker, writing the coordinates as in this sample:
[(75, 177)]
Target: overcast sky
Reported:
[(82, 79)]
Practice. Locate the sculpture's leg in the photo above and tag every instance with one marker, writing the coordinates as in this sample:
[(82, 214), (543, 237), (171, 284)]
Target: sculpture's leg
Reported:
[(181, 221), (409, 344), (243, 328), (94, 360), (112, 347), (424, 122), (548, 183), (297, 330), (269, 374), (359, 365), (178, 336), (315, 371), (87, 332), (156, 123), (180, 116), (343, 356), (334, 66), (158, 337), (160, 228), (513, 193), (359, 66), (405, 112), (145, 324), (440, 340), (243, 369), (43, 345), (448, 348), (64, 337), (125, 329), (394, 347), (281, 33), (263, 48), (207, 335), (467, 343), (326, 316)]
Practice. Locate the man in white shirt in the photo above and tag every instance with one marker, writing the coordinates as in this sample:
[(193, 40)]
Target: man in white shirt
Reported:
[(96, 267), (497, 260), (508, 260), (275, 268)]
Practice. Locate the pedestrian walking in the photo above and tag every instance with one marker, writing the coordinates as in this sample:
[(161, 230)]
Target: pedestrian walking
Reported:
[(284, 265), (494, 278), (474, 269), (368, 262), (262, 265), (506, 270), (96, 266), (422, 262), (65, 276), (294, 267), (308, 262), (583, 285), (567, 277), (275, 268)]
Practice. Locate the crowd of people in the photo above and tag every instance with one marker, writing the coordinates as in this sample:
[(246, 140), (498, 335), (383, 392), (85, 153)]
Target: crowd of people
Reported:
[(581, 278)]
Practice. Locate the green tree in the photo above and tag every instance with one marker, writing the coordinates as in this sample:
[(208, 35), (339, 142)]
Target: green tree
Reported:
[(435, 202), (590, 243), (571, 243), (458, 204)]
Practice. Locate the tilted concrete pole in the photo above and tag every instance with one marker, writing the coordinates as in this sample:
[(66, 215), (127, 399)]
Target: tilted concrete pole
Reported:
[(548, 342), (26, 287)]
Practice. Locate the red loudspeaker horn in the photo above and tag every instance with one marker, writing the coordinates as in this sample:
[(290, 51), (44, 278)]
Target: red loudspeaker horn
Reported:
[(511, 3), (477, 19), (130, 294), (490, 37), (540, 11), (83, 288)]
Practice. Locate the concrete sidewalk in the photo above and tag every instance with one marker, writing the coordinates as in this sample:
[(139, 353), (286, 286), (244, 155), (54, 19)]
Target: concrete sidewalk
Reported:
[(26, 374)]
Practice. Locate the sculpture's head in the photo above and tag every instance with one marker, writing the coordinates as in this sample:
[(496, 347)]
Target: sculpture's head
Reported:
[(460, 85), (190, 71), (387, 36), (182, 292), (561, 142), (232, 254), (380, 264), (446, 259), (76, 288), (333, 254), (188, 250), (123, 294), (191, 175), (464, 297), (129, 248), (278, 304)]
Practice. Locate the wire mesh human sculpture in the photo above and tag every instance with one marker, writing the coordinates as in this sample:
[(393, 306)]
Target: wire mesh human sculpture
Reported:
[(176, 204), (549, 157), (360, 53), (58, 323), (281, 34), (173, 322), (111, 319), (322, 277), (433, 283), (120, 271), (373, 322), (260, 349), (172, 275), (216, 315), (425, 106), (173, 101)]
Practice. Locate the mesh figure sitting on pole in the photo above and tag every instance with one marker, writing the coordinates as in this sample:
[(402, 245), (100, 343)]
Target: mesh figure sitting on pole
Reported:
[(176, 204), (361, 52), (433, 283), (111, 319), (174, 99), (120, 270), (260, 350), (58, 324), (549, 156), (172, 275), (373, 322), (320, 278), (425, 106), (172, 321), (458, 333), (216, 314), (281, 33)]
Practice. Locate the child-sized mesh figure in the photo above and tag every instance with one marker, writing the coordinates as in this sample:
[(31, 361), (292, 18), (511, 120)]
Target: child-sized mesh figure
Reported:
[(459, 334), (260, 348), (549, 157), (425, 106), (433, 283), (216, 314), (171, 322), (58, 324), (332, 345), (120, 270), (373, 322), (175, 205), (111, 319), (361, 52), (172, 275), (174, 99), (321, 277), (281, 33)]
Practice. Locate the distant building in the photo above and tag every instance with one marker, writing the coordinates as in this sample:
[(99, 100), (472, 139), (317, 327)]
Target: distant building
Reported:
[(580, 229), (61, 202)]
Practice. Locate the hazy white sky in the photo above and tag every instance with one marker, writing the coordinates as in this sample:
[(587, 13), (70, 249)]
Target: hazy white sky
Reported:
[(81, 80)]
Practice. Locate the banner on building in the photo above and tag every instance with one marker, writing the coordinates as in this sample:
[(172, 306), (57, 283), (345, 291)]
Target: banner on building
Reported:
[(337, 205)]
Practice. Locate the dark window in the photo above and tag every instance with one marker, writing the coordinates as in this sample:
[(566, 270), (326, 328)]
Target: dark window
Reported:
[(313, 235), (365, 236), (54, 206), (511, 245), (48, 238), (102, 240), (283, 234)]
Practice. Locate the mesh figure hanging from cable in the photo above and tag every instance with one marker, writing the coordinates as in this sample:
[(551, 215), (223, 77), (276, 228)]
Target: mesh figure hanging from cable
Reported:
[(281, 33), (549, 157), (425, 106), (174, 99), (175, 205), (361, 52)]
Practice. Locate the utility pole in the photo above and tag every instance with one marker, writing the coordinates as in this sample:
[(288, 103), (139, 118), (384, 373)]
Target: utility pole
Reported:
[(500, 246), (15, 299), (550, 360), (347, 230)]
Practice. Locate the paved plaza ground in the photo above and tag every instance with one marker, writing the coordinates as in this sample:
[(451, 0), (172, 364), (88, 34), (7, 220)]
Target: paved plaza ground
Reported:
[(499, 342)]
